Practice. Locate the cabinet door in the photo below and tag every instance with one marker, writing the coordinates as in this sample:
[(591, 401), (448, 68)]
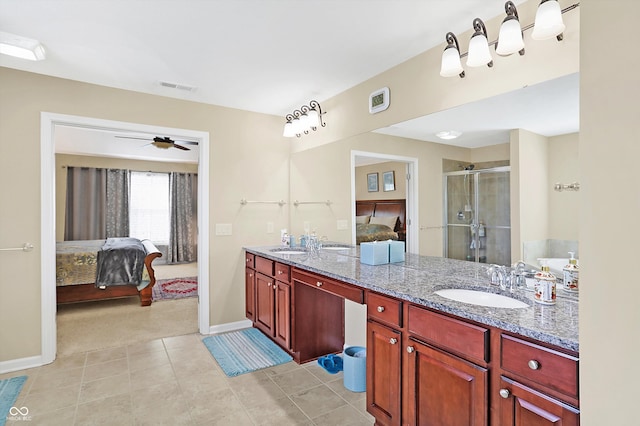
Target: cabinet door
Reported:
[(250, 292), (523, 406), (283, 314), (264, 312), (384, 354), (444, 390)]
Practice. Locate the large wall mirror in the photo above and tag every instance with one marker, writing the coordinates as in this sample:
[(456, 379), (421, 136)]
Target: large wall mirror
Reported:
[(533, 130)]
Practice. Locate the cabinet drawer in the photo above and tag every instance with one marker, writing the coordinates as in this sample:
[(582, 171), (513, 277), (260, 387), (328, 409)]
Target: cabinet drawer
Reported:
[(264, 265), (283, 272), (250, 263), (384, 309), (347, 291), (541, 365), (467, 340)]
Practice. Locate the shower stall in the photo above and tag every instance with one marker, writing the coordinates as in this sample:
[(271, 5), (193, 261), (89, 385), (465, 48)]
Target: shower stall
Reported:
[(477, 215)]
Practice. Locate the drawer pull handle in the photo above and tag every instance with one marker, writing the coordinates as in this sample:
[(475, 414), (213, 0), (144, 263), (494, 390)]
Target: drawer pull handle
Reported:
[(533, 364), (318, 283), (410, 349), (380, 309), (279, 272), (505, 393), (393, 340)]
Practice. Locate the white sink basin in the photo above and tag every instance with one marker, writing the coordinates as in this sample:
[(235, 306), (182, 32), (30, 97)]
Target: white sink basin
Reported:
[(335, 248), (289, 252), (481, 298)]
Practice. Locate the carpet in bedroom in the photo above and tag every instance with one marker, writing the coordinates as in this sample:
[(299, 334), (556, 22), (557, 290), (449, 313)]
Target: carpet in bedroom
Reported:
[(90, 326)]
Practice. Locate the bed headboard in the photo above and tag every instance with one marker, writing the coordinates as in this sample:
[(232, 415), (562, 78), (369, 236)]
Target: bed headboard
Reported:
[(384, 208)]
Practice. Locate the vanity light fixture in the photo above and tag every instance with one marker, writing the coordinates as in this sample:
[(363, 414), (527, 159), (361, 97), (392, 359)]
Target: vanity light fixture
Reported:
[(479, 53), (451, 64), (448, 134), (510, 38), (548, 21), (548, 24), (308, 117), (21, 47)]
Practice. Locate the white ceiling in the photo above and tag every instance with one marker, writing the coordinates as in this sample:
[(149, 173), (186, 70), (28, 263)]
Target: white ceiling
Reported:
[(268, 56)]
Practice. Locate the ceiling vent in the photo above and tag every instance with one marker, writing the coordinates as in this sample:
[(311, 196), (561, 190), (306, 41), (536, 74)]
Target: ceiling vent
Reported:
[(177, 86)]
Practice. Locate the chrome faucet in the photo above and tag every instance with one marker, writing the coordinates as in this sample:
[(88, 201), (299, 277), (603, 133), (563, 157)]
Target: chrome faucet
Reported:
[(503, 276)]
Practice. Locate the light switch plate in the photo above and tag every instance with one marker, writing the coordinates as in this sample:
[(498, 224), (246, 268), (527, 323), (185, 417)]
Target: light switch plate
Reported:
[(342, 224), (269, 227), (223, 229)]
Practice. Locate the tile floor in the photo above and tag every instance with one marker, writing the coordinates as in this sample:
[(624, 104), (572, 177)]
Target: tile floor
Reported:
[(176, 381)]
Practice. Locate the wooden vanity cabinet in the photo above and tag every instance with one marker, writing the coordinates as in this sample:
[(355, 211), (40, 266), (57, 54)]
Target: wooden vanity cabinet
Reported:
[(384, 359), (250, 286), (272, 305), (450, 371), (538, 385), (447, 371)]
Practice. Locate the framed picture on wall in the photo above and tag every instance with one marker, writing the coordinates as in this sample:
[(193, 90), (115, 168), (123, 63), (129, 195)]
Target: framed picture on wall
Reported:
[(372, 182), (389, 181)]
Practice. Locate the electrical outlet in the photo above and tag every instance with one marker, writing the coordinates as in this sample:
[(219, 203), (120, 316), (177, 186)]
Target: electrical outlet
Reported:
[(342, 224), (223, 229), (269, 227), (306, 225)]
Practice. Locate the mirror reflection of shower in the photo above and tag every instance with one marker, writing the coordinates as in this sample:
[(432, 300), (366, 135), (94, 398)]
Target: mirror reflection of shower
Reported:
[(477, 213)]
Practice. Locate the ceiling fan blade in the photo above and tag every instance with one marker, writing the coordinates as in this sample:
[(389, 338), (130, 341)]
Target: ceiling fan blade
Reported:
[(184, 148), (132, 137)]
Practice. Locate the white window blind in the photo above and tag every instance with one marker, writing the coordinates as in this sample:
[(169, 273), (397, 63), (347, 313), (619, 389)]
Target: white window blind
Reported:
[(149, 206)]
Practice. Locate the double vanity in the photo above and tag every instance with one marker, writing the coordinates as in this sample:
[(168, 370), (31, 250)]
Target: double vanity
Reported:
[(497, 358)]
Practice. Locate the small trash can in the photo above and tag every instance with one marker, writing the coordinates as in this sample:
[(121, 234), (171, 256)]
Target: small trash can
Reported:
[(354, 361)]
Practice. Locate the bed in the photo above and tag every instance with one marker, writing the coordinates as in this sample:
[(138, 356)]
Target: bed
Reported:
[(379, 220), (95, 270)]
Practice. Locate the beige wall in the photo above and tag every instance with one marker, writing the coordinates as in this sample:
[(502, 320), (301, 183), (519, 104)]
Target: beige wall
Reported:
[(400, 172), (244, 148), (609, 203), (66, 160), (564, 167)]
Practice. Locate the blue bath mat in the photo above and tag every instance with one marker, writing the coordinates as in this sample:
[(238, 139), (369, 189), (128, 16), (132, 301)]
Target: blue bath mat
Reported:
[(244, 351), (9, 390)]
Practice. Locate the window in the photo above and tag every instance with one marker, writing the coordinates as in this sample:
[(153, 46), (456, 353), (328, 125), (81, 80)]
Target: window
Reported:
[(149, 206)]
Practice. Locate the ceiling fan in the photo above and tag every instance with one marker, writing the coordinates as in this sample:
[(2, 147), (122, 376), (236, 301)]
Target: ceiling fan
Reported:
[(163, 142)]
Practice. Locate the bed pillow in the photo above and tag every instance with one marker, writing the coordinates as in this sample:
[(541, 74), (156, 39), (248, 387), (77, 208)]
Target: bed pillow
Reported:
[(362, 219), (389, 221)]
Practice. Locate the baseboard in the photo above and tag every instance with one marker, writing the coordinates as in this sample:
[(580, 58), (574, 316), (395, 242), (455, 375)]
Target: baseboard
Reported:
[(230, 326), (21, 364)]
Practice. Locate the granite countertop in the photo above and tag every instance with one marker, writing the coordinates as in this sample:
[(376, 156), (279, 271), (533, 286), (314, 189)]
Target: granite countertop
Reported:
[(418, 277)]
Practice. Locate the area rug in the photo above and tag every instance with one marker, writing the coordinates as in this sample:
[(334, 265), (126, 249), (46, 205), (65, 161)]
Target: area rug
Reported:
[(244, 351), (175, 288), (9, 390)]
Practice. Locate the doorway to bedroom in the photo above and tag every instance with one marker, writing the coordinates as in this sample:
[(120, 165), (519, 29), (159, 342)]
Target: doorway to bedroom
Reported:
[(92, 325)]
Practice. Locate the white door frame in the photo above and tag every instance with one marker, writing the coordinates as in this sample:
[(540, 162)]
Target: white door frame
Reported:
[(48, 123), (412, 195)]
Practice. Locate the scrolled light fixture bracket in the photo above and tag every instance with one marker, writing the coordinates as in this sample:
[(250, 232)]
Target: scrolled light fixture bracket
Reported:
[(301, 121)]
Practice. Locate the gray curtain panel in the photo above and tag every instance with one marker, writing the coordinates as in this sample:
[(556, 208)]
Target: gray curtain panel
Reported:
[(85, 204), (97, 204), (117, 211), (183, 203)]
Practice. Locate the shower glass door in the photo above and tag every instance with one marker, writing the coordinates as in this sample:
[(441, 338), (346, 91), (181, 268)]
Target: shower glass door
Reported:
[(478, 216)]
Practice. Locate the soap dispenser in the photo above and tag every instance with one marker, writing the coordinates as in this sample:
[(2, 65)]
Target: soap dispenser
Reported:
[(545, 287), (570, 275)]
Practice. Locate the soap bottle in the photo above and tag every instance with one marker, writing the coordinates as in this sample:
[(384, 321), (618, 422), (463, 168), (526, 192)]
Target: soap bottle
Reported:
[(570, 275), (545, 287)]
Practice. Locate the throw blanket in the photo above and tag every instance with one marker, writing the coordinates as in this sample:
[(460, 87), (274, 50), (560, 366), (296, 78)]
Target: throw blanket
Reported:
[(120, 262)]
